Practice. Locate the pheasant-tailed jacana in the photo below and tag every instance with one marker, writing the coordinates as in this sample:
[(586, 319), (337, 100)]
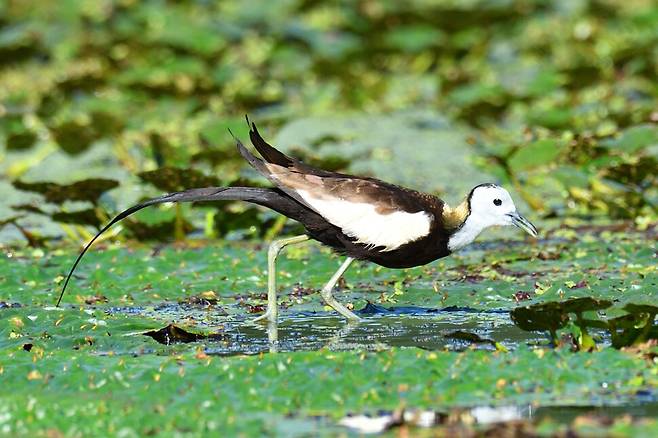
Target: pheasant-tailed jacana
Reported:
[(359, 217)]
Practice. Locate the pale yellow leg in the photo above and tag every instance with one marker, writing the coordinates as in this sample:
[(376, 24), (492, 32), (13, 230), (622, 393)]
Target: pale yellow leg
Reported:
[(329, 298), (272, 311)]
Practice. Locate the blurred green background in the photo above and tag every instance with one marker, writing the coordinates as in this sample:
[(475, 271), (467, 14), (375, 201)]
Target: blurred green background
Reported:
[(104, 102)]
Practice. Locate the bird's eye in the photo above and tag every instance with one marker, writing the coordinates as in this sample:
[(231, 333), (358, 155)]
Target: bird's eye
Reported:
[(497, 202)]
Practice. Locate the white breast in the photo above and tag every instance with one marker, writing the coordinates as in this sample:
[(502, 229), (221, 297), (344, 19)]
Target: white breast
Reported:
[(466, 234), (362, 222)]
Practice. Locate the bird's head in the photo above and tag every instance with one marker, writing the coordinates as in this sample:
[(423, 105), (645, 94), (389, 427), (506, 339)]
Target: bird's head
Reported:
[(492, 205)]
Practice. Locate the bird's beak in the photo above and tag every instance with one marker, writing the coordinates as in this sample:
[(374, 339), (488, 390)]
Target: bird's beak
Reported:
[(523, 223)]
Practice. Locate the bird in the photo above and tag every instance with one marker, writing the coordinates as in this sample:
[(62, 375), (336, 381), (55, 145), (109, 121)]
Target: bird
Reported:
[(359, 217)]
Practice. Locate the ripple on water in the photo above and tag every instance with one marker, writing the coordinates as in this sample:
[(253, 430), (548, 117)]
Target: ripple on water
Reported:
[(403, 327)]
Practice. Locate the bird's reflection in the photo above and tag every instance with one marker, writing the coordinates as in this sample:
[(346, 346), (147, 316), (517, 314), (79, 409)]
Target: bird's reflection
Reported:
[(272, 329), (335, 341), (273, 336)]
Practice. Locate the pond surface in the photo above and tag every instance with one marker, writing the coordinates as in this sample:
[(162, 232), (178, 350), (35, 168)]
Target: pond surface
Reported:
[(432, 339), (380, 329)]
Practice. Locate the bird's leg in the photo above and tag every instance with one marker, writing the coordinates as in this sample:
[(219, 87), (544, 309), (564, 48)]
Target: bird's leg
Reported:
[(274, 250), (335, 342), (329, 298)]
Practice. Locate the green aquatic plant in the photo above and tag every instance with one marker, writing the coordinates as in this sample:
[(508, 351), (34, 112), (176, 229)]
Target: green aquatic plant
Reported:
[(636, 326)]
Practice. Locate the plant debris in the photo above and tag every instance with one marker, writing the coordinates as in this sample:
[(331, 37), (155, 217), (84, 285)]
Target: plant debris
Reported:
[(173, 334)]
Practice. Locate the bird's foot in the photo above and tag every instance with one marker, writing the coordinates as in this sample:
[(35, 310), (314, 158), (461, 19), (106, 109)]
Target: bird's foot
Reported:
[(267, 317), (350, 316), (338, 307)]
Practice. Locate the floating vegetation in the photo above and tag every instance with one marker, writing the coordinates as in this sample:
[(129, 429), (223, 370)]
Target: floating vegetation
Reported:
[(636, 326), (105, 103)]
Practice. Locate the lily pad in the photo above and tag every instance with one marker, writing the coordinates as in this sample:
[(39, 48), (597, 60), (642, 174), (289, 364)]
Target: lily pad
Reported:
[(86, 190), (585, 304), (548, 317), (535, 154), (173, 179), (633, 139), (21, 141), (88, 216)]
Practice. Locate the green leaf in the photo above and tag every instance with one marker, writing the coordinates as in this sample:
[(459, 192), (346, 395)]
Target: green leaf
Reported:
[(634, 139), (172, 179), (20, 141), (86, 190), (474, 93), (553, 118), (414, 38), (571, 176), (535, 154)]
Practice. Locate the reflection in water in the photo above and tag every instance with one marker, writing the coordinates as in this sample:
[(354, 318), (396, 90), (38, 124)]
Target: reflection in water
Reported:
[(373, 333), (402, 327), (562, 414), (487, 415), (273, 336), (272, 330)]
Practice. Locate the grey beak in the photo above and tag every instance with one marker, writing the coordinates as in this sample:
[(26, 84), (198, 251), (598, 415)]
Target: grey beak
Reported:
[(523, 223)]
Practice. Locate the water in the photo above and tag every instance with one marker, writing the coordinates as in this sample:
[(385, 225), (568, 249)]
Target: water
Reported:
[(380, 329)]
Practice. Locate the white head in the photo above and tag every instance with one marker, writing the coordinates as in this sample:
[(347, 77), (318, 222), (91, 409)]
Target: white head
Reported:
[(489, 205)]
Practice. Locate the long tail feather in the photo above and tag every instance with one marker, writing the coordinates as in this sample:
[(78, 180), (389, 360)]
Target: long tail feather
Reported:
[(253, 161), (267, 151), (275, 156), (252, 194)]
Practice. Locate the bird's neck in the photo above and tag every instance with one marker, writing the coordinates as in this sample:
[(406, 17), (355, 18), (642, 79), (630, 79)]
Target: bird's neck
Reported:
[(453, 218), (463, 227)]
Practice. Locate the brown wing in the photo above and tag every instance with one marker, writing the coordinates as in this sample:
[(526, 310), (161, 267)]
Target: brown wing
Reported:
[(291, 175), (372, 211)]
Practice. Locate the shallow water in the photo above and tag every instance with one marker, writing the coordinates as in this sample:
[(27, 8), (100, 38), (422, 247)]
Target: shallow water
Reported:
[(380, 329)]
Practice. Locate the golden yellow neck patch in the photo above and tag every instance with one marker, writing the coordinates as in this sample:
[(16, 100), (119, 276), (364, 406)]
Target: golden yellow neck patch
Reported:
[(453, 218)]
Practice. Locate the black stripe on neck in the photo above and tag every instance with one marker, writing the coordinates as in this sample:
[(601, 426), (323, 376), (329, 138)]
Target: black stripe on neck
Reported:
[(468, 199)]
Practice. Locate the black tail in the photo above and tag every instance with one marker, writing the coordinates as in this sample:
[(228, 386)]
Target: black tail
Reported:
[(272, 198), (267, 151), (275, 156)]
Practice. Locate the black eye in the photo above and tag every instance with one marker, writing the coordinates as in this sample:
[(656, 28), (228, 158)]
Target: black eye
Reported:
[(497, 202)]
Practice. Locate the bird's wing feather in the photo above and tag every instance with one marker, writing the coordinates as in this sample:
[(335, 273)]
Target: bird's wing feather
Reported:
[(373, 212)]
